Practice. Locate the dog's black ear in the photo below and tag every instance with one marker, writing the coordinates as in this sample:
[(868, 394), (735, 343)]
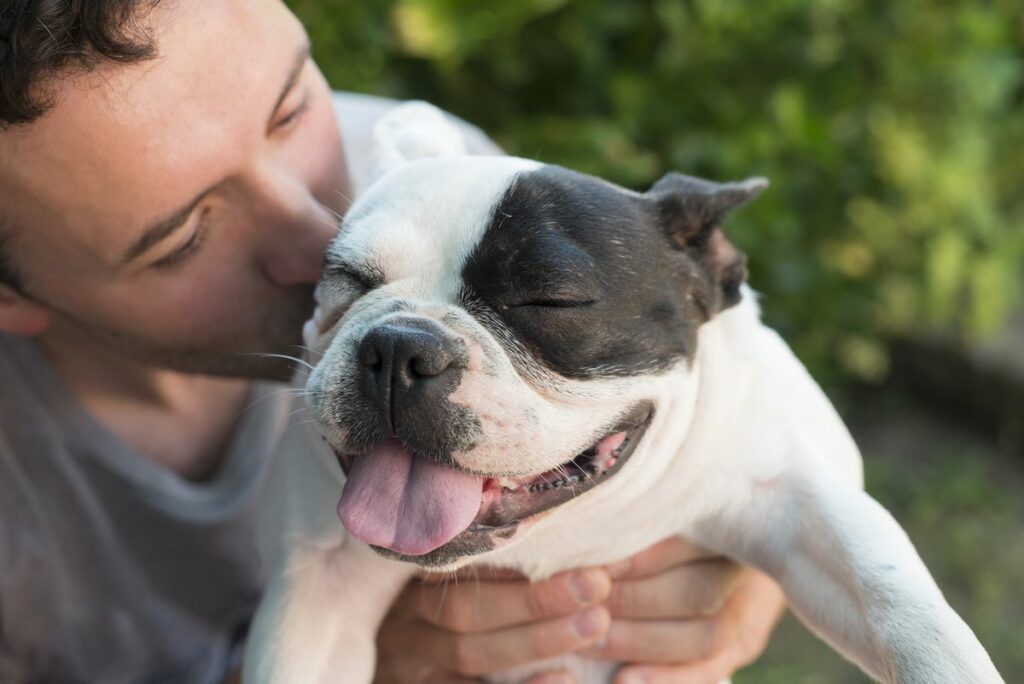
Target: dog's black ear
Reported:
[(691, 211)]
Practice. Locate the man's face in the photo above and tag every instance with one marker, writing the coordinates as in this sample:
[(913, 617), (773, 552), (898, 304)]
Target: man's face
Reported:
[(176, 210)]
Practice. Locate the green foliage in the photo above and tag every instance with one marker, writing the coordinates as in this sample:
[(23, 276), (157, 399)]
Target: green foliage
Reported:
[(893, 133)]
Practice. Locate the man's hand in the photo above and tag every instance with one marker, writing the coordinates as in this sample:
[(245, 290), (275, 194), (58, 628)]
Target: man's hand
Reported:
[(673, 613), (449, 632), (680, 614)]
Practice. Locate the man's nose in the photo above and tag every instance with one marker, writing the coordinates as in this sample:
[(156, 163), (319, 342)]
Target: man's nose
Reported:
[(297, 228), (407, 369)]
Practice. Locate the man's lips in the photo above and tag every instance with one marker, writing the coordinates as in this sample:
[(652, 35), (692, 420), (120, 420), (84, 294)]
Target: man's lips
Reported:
[(399, 500)]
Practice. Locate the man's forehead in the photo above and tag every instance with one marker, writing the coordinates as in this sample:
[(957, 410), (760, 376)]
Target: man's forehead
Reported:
[(127, 141)]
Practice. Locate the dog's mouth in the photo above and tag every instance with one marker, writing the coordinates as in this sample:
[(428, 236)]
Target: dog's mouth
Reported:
[(509, 500), (430, 514)]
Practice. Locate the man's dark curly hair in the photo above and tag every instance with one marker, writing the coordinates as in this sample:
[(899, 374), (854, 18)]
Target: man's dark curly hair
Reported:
[(41, 40)]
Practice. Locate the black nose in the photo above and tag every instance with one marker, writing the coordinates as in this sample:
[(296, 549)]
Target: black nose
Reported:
[(408, 367)]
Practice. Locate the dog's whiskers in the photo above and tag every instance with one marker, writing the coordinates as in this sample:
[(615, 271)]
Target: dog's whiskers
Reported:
[(302, 347), (339, 219), (286, 357), (345, 197), (294, 391)]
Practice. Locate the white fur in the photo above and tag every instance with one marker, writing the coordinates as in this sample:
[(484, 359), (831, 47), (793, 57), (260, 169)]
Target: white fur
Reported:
[(744, 456)]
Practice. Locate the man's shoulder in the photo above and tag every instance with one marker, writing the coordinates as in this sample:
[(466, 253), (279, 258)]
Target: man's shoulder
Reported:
[(357, 114)]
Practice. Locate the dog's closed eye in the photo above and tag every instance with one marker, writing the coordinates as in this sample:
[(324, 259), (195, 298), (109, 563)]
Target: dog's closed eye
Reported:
[(340, 286)]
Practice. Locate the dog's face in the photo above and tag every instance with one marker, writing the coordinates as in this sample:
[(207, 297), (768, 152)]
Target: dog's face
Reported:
[(491, 330)]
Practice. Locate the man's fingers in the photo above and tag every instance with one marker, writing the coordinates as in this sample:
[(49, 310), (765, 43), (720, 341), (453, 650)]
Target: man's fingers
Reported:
[(661, 641), (704, 649), (484, 606), (479, 654), (698, 589), (658, 558)]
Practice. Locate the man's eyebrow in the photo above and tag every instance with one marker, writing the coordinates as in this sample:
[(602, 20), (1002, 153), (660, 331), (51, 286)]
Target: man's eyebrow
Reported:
[(156, 232), (293, 78)]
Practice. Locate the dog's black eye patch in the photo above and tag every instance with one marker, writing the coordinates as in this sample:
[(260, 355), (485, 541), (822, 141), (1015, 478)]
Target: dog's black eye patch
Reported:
[(555, 300), (559, 277), (580, 273)]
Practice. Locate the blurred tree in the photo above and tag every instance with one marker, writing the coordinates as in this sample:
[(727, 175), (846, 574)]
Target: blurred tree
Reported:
[(893, 133)]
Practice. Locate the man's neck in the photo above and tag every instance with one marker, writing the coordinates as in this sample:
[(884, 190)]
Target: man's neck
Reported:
[(180, 421)]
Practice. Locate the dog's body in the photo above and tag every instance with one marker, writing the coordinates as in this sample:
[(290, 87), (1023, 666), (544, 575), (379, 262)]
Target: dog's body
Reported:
[(488, 323)]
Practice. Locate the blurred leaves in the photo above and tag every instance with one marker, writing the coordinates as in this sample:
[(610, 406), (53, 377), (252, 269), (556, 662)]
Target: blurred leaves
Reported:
[(893, 133)]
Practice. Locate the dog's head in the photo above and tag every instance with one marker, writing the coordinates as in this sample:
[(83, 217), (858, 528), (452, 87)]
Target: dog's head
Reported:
[(493, 333)]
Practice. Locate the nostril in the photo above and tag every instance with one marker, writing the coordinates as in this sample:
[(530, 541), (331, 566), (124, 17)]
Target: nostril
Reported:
[(420, 368), (429, 363)]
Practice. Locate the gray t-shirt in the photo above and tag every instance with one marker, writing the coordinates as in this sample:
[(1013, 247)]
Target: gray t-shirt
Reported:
[(113, 569)]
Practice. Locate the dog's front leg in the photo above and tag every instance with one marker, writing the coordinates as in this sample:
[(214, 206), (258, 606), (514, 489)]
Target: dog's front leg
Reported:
[(319, 617), (852, 576)]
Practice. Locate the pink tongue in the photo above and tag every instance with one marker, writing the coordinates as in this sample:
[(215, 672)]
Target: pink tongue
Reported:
[(406, 503)]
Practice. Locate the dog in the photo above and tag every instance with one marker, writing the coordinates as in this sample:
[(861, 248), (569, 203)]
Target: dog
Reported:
[(526, 367)]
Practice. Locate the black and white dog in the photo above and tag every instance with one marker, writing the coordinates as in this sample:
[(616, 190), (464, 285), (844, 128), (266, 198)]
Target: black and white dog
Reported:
[(530, 368)]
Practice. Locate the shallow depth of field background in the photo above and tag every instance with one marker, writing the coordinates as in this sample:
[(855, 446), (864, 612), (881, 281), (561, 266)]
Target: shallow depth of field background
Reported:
[(889, 249)]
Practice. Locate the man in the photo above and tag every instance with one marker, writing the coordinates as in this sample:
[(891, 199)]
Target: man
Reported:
[(170, 174)]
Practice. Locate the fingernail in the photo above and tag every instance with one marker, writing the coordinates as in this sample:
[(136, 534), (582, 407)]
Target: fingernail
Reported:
[(590, 623), (582, 588), (618, 568)]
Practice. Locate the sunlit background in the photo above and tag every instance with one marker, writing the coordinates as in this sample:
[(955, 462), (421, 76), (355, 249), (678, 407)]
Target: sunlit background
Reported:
[(889, 249)]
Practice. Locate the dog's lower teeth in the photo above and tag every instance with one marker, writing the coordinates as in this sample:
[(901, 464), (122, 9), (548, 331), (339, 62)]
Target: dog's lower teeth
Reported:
[(586, 471)]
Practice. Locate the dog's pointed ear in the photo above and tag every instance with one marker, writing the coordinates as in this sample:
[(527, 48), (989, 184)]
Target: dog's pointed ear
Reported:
[(690, 211), (691, 207), (412, 131)]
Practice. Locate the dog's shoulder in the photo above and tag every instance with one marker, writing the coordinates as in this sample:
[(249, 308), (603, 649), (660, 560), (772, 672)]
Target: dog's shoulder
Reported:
[(358, 114), (780, 389)]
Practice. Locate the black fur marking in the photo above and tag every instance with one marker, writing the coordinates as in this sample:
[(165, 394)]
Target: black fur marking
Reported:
[(692, 210), (591, 279)]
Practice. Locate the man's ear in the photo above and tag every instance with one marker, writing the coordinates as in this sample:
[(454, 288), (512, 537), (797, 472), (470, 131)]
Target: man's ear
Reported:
[(691, 210), (19, 315), (412, 131)]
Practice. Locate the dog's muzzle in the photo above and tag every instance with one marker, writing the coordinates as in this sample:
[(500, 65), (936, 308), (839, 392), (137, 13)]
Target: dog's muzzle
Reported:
[(407, 368)]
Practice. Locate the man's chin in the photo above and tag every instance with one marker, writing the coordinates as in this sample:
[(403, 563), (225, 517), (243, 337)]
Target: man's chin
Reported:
[(244, 365), (276, 360), (271, 353)]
